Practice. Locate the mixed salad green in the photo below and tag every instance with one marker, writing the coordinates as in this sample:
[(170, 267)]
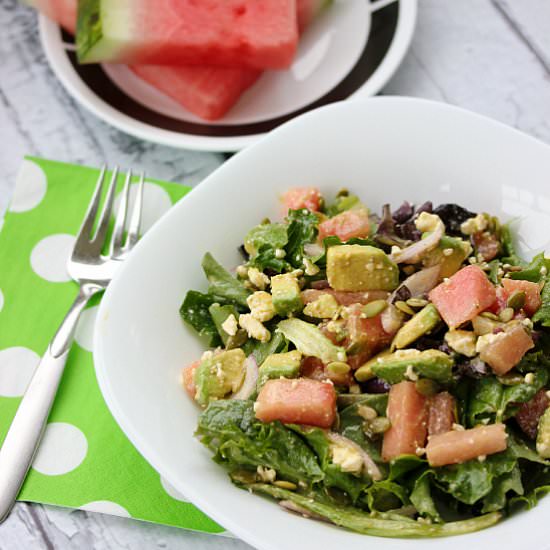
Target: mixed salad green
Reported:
[(388, 374)]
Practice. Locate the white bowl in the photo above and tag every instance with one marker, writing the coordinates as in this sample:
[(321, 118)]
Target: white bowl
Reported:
[(386, 149)]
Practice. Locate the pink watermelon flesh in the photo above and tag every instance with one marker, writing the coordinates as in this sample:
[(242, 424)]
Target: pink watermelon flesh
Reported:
[(62, 11), (463, 296), (232, 33), (208, 92)]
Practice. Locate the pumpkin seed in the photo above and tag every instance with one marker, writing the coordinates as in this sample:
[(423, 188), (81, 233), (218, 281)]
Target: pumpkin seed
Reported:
[(402, 306), (426, 387), (417, 302), (507, 314), (372, 309), (379, 425), (489, 315), (338, 367), (517, 300)]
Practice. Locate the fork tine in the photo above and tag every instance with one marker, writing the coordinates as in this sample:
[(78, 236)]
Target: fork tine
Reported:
[(103, 225), (121, 215), (135, 220), (83, 237)]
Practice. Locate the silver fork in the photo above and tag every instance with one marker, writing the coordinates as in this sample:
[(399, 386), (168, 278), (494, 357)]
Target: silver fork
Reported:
[(93, 271)]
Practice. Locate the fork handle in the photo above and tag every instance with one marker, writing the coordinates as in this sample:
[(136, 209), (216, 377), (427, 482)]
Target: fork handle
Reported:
[(25, 432)]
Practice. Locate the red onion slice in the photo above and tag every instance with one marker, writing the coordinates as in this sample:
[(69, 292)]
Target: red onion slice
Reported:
[(370, 466), (413, 254), (250, 378), (419, 283)]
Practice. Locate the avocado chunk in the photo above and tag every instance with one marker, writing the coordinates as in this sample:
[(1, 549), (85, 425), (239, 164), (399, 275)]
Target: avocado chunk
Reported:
[(364, 372), (287, 297), (325, 307), (410, 364), (218, 375), (286, 365), (356, 267), (232, 336), (543, 435), (449, 255), (422, 323), (310, 340)]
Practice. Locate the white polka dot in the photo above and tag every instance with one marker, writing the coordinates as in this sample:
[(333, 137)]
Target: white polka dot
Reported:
[(62, 449), (50, 256), (30, 187), (16, 369), (172, 491), (106, 507), (84, 335), (1, 300), (156, 202)]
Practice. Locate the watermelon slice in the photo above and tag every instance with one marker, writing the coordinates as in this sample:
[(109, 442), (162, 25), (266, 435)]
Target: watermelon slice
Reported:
[(208, 92), (232, 33), (62, 11)]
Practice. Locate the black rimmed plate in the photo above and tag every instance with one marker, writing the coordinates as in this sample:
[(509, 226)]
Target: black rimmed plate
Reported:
[(350, 51)]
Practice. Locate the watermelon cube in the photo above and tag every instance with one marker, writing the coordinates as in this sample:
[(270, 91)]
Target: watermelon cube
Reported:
[(503, 351), (232, 33), (299, 401), (455, 447), (347, 225), (463, 296), (408, 414), (297, 198), (533, 300)]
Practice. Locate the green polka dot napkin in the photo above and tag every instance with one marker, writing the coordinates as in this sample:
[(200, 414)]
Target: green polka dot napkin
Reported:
[(84, 461)]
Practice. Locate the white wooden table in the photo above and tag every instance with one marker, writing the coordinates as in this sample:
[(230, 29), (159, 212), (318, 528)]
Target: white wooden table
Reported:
[(490, 56)]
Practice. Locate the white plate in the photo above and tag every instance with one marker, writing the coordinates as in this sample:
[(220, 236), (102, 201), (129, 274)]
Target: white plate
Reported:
[(349, 51), (385, 149)]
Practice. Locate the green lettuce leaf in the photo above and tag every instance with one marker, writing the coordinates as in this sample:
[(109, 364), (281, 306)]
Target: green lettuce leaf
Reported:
[(230, 429), (492, 401), (302, 230), (262, 242), (386, 495), (535, 271), (472, 480), (510, 255), (538, 271), (260, 350), (333, 474), (222, 285), (497, 497), (369, 524), (195, 311), (421, 497)]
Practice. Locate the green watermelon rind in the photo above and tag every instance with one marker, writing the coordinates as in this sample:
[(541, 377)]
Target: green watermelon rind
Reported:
[(89, 28), (100, 28)]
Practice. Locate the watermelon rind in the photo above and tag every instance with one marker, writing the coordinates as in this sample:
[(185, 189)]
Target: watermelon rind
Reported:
[(98, 22)]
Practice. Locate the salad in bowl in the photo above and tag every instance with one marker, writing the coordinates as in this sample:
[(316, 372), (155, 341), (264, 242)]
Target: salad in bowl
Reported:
[(387, 373)]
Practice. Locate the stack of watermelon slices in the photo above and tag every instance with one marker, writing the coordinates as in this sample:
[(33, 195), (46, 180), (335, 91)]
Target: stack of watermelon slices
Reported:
[(204, 54)]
